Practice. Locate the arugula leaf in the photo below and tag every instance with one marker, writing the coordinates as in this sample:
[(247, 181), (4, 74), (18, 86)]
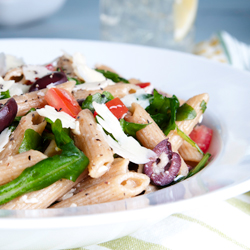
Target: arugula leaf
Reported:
[(189, 140), (200, 165), (158, 104), (130, 128), (69, 164), (4, 94), (99, 98), (203, 106), (31, 140), (113, 76), (174, 105), (185, 112), (76, 80), (62, 135)]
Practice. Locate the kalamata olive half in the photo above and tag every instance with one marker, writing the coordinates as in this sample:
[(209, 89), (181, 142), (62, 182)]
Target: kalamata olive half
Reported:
[(54, 77), (7, 113), (163, 169)]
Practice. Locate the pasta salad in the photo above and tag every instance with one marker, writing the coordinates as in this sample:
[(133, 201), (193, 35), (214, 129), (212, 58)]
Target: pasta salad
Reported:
[(71, 135)]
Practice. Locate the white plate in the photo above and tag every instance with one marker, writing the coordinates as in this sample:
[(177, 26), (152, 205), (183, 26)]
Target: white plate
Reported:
[(184, 75)]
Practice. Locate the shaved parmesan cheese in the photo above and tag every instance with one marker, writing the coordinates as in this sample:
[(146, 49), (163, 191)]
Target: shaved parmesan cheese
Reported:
[(125, 146), (138, 97), (77, 128), (19, 89), (94, 85), (5, 85), (4, 138), (33, 72), (50, 112), (83, 71), (14, 88)]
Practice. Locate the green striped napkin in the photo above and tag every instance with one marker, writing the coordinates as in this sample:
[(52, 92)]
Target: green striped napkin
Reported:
[(222, 225)]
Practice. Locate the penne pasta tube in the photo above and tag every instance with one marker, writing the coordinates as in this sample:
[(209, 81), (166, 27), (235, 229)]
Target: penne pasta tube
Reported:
[(105, 67), (91, 141), (119, 166), (187, 125), (35, 99), (52, 149), (189, 153), (45, 197), (116, 188), (11, 167), (117, 90), (66, 64), (149, 136), (15, 74), (29, 121)]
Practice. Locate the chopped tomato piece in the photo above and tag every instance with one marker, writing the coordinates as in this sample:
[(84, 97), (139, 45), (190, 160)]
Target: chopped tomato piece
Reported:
[(143, 84), (202, 135), (117, 107), (62, 100), (50, 67)]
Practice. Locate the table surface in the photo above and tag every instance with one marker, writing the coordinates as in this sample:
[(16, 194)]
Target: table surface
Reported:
[(79, 19)]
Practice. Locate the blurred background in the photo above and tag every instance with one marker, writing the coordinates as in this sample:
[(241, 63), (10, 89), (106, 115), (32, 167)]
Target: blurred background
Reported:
[(79, 19)]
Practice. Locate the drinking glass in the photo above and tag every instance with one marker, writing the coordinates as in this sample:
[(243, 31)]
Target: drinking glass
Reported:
[(146, 22)]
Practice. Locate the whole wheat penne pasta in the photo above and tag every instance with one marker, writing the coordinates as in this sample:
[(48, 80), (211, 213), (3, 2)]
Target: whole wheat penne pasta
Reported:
[(66, 64), (93, 144), (151, 135), (134, 81), (15, 74), (29, 121), (187, 125), (35, 99), (105, 67), (52, 149), (119, 166), (11, 167), (116, 188), (117, 90), (45, 197), (189, 153)]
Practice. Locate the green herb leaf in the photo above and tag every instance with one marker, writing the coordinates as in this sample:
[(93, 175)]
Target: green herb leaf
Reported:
[(31, 140), (78, 82), (4, 94), (130, 128), (185, 112), (174, 105), (163, 111), (69, 164), (203, 106), (200, 165), (113, 76), (62, 135), (189, 140), (99, 98)]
